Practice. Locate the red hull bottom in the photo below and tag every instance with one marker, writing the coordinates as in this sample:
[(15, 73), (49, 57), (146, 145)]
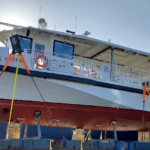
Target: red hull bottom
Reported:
[(76, 116)]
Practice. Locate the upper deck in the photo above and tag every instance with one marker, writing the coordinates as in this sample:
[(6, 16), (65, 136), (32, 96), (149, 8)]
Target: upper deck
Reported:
[(91, 69)]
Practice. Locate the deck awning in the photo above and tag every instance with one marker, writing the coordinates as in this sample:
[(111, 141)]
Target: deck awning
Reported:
[(122, 56), (100, 50), (93, 48)]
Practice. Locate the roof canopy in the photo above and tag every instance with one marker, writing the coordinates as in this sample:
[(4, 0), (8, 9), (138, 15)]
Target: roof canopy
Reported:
[(95, 49)]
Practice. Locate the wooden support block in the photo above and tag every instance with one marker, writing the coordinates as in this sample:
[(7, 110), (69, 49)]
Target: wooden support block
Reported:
[(141, 136), (14, 131), (78, 134)]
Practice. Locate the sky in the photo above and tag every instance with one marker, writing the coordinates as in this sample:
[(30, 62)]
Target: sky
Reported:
[(124, 22)]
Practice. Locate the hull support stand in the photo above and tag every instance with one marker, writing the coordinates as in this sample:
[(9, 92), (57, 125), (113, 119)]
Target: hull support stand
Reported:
[(113, 123), (37, 117), (25, 131)]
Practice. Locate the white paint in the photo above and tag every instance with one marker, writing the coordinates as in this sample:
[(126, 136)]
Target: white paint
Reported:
[(57, 91), (128, 99)]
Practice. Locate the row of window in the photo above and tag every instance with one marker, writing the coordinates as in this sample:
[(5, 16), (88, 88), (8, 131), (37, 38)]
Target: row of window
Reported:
[(59, 48)]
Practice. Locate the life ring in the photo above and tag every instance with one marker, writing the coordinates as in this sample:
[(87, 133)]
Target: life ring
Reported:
[(41, 56)]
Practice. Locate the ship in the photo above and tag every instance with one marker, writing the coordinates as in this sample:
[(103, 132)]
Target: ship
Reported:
[(75, 81)]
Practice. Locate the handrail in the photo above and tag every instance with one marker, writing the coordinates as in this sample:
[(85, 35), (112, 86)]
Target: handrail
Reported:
[(88, 67), (130, 75), (66, 64)]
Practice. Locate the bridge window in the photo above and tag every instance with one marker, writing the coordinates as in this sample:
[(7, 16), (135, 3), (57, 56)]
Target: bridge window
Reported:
[(63, 49), (39, 47), (25, 43)]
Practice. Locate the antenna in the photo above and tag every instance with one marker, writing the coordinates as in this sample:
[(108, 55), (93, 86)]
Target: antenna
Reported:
[(55, 24), (86, 33), (39, 16), (75, 24), (40, 12)]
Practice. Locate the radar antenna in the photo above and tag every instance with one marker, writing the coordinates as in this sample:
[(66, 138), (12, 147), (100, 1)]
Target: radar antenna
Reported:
[(42, 23)]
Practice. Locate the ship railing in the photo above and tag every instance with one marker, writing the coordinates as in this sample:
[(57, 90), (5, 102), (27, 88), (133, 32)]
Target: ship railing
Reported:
[(129, 75), (87, 67), (71, 65)]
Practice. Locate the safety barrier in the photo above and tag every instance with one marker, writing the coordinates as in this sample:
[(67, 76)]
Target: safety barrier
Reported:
[(93, 144), (44, 144), (71, 65), (129, 75), (106, 145), (142, 146), (86, 67), (24, 144)]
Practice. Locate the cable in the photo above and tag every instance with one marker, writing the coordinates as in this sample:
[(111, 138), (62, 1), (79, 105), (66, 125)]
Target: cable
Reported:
[(1, 73), (48, 122), (24, 63), (47, 107)]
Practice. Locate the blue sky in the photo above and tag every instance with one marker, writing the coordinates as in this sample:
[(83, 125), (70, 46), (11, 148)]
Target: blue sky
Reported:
[(125, 22)]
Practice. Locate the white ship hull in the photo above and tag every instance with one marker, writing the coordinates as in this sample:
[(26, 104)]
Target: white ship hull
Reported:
[(65, 92)]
